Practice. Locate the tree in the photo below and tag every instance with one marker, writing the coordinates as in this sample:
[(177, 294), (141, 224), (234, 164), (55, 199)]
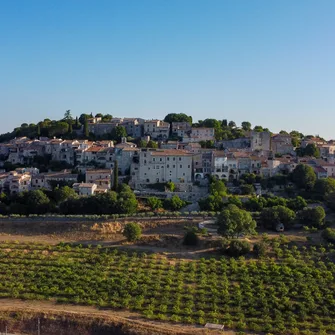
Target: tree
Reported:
[(260, 249), (313, 216), (86, 130), (191, 238), (181, 117), (116, 175), (238, 248), (218, 187), (329, 235), (70, 129), (304, 176), (132, 231), (154, 203), (83, 117), (258, 129), (312, 150), (213, 203), (235, 200), (67, 115), (271, 216), (152, 144), (323, 187), (231, 124), (142, 144), (246, 125), (174, 203), (126, 200), (170, 186), (295, 141), (233, 221), (37, 202), (297, 203), (107, 118), (64, 193), (330, 200), (118, 132), (38, 130), (247, 189)]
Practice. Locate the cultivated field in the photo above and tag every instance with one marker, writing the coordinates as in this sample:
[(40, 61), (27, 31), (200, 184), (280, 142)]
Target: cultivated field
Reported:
[(290, 292)]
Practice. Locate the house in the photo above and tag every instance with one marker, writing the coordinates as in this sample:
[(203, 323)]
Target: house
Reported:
[(85, 189), (220, 165), (101, 177), (320, 172), (282, 144), (260, 141), (181, 129), (160, 166), (156, 129), (18, 183), (134, 126), (199, 134)]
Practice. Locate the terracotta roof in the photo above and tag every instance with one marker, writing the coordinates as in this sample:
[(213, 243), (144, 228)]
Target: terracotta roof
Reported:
[(99, 171), (86, 185), (94, 149), (171, 152)]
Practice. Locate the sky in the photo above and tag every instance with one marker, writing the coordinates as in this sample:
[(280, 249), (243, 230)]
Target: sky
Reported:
[(270, 62)]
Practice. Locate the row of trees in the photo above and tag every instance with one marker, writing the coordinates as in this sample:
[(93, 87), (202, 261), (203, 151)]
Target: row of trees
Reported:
[(64, 200), (234, 221)]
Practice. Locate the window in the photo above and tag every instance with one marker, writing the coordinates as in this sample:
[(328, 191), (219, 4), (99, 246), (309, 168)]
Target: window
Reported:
[(181, 166), (168, 166), (173, 166), (160, 159), (189, 166), (180, 158), (168, 158), (153, 159), (174, 158)]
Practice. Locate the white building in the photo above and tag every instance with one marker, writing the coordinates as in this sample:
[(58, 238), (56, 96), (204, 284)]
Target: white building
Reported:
[(159, 166)]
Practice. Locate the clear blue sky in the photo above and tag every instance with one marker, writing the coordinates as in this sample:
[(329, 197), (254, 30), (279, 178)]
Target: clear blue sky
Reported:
[(270, 62)]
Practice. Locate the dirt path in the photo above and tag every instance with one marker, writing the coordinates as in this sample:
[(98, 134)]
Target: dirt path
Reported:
[(115, 316)]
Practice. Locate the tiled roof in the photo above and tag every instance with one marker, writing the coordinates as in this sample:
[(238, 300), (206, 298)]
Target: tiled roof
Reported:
[(171, 152)]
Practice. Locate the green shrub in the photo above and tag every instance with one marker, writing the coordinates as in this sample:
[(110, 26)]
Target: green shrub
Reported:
[(329, 235), (132, 231), (191, 238), (260, 249), (238, 248)]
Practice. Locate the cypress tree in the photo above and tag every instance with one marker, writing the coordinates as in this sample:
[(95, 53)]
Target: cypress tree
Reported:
[(116, 175), (38, 130), (86, 132), (70, 128)]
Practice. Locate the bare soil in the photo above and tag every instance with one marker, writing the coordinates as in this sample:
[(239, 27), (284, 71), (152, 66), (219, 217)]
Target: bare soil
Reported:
[(22, 316)]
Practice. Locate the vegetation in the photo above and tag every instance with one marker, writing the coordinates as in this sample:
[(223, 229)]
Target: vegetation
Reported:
[(132, 231), (233, 222), (313, 216), (292, 293), (191, 238), (154, 203), (64, 200), (304, 177), (174, 203), (272, 216)]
